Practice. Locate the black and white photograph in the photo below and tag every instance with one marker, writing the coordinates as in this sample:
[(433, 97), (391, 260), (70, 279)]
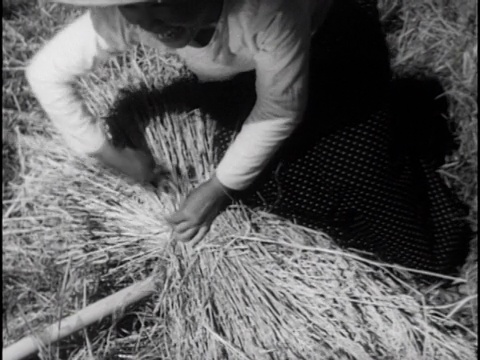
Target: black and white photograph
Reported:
[(239, 179)]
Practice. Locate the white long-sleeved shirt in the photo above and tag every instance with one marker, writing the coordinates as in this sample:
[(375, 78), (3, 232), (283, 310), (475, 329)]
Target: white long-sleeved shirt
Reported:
[(271, 37)]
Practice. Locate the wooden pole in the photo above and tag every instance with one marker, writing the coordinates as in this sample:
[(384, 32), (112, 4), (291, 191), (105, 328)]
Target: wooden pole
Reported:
[(29, 345)]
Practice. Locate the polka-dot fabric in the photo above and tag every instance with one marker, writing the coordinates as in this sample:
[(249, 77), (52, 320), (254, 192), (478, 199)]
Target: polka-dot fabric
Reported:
[(343, 172), (348, 185)]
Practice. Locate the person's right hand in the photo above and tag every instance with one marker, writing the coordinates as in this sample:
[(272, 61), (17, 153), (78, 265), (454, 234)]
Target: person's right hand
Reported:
[(136, 164)]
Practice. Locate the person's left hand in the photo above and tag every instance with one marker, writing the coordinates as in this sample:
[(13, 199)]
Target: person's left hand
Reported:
[(192, 221)]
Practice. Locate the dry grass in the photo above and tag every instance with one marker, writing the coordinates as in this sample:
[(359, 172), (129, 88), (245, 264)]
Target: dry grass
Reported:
[(75, 232), (257, 287), (439, 38)]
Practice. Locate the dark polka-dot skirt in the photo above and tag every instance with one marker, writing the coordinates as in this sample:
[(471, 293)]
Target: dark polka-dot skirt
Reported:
[(353, 186)]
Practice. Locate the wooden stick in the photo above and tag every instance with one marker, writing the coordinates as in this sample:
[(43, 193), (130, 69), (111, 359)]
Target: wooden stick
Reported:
[(29, 345)]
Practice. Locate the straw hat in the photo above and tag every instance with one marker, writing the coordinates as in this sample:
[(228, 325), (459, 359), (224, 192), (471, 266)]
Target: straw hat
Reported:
[(102, 2)]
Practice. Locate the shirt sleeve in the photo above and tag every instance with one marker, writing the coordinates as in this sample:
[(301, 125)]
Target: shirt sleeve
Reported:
[(281, 65), (74, 51)]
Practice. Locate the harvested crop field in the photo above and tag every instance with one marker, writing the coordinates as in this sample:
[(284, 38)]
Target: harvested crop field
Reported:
[(258, 287)]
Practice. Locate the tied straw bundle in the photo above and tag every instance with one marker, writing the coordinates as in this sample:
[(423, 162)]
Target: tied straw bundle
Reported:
[(258, 287)]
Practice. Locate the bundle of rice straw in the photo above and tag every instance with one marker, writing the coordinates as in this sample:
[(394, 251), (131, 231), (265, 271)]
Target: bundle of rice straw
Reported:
[(258, 287)]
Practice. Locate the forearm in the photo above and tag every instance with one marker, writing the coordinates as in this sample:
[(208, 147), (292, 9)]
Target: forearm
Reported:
[(51, 73), (281, 87), (67, 112), (252, 150)]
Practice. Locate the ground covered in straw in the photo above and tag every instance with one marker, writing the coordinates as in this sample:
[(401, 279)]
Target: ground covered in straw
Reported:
[(258, 287)]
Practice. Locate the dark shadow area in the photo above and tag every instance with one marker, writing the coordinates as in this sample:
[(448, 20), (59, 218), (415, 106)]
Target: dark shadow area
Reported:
[(421, 123), (418, 106), (227, 102)]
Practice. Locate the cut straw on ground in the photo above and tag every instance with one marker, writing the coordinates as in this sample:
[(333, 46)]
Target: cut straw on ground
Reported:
[(258, 287)]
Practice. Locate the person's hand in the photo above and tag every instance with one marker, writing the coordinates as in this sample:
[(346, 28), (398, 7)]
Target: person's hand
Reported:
[(192, 221), (136, 164)]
